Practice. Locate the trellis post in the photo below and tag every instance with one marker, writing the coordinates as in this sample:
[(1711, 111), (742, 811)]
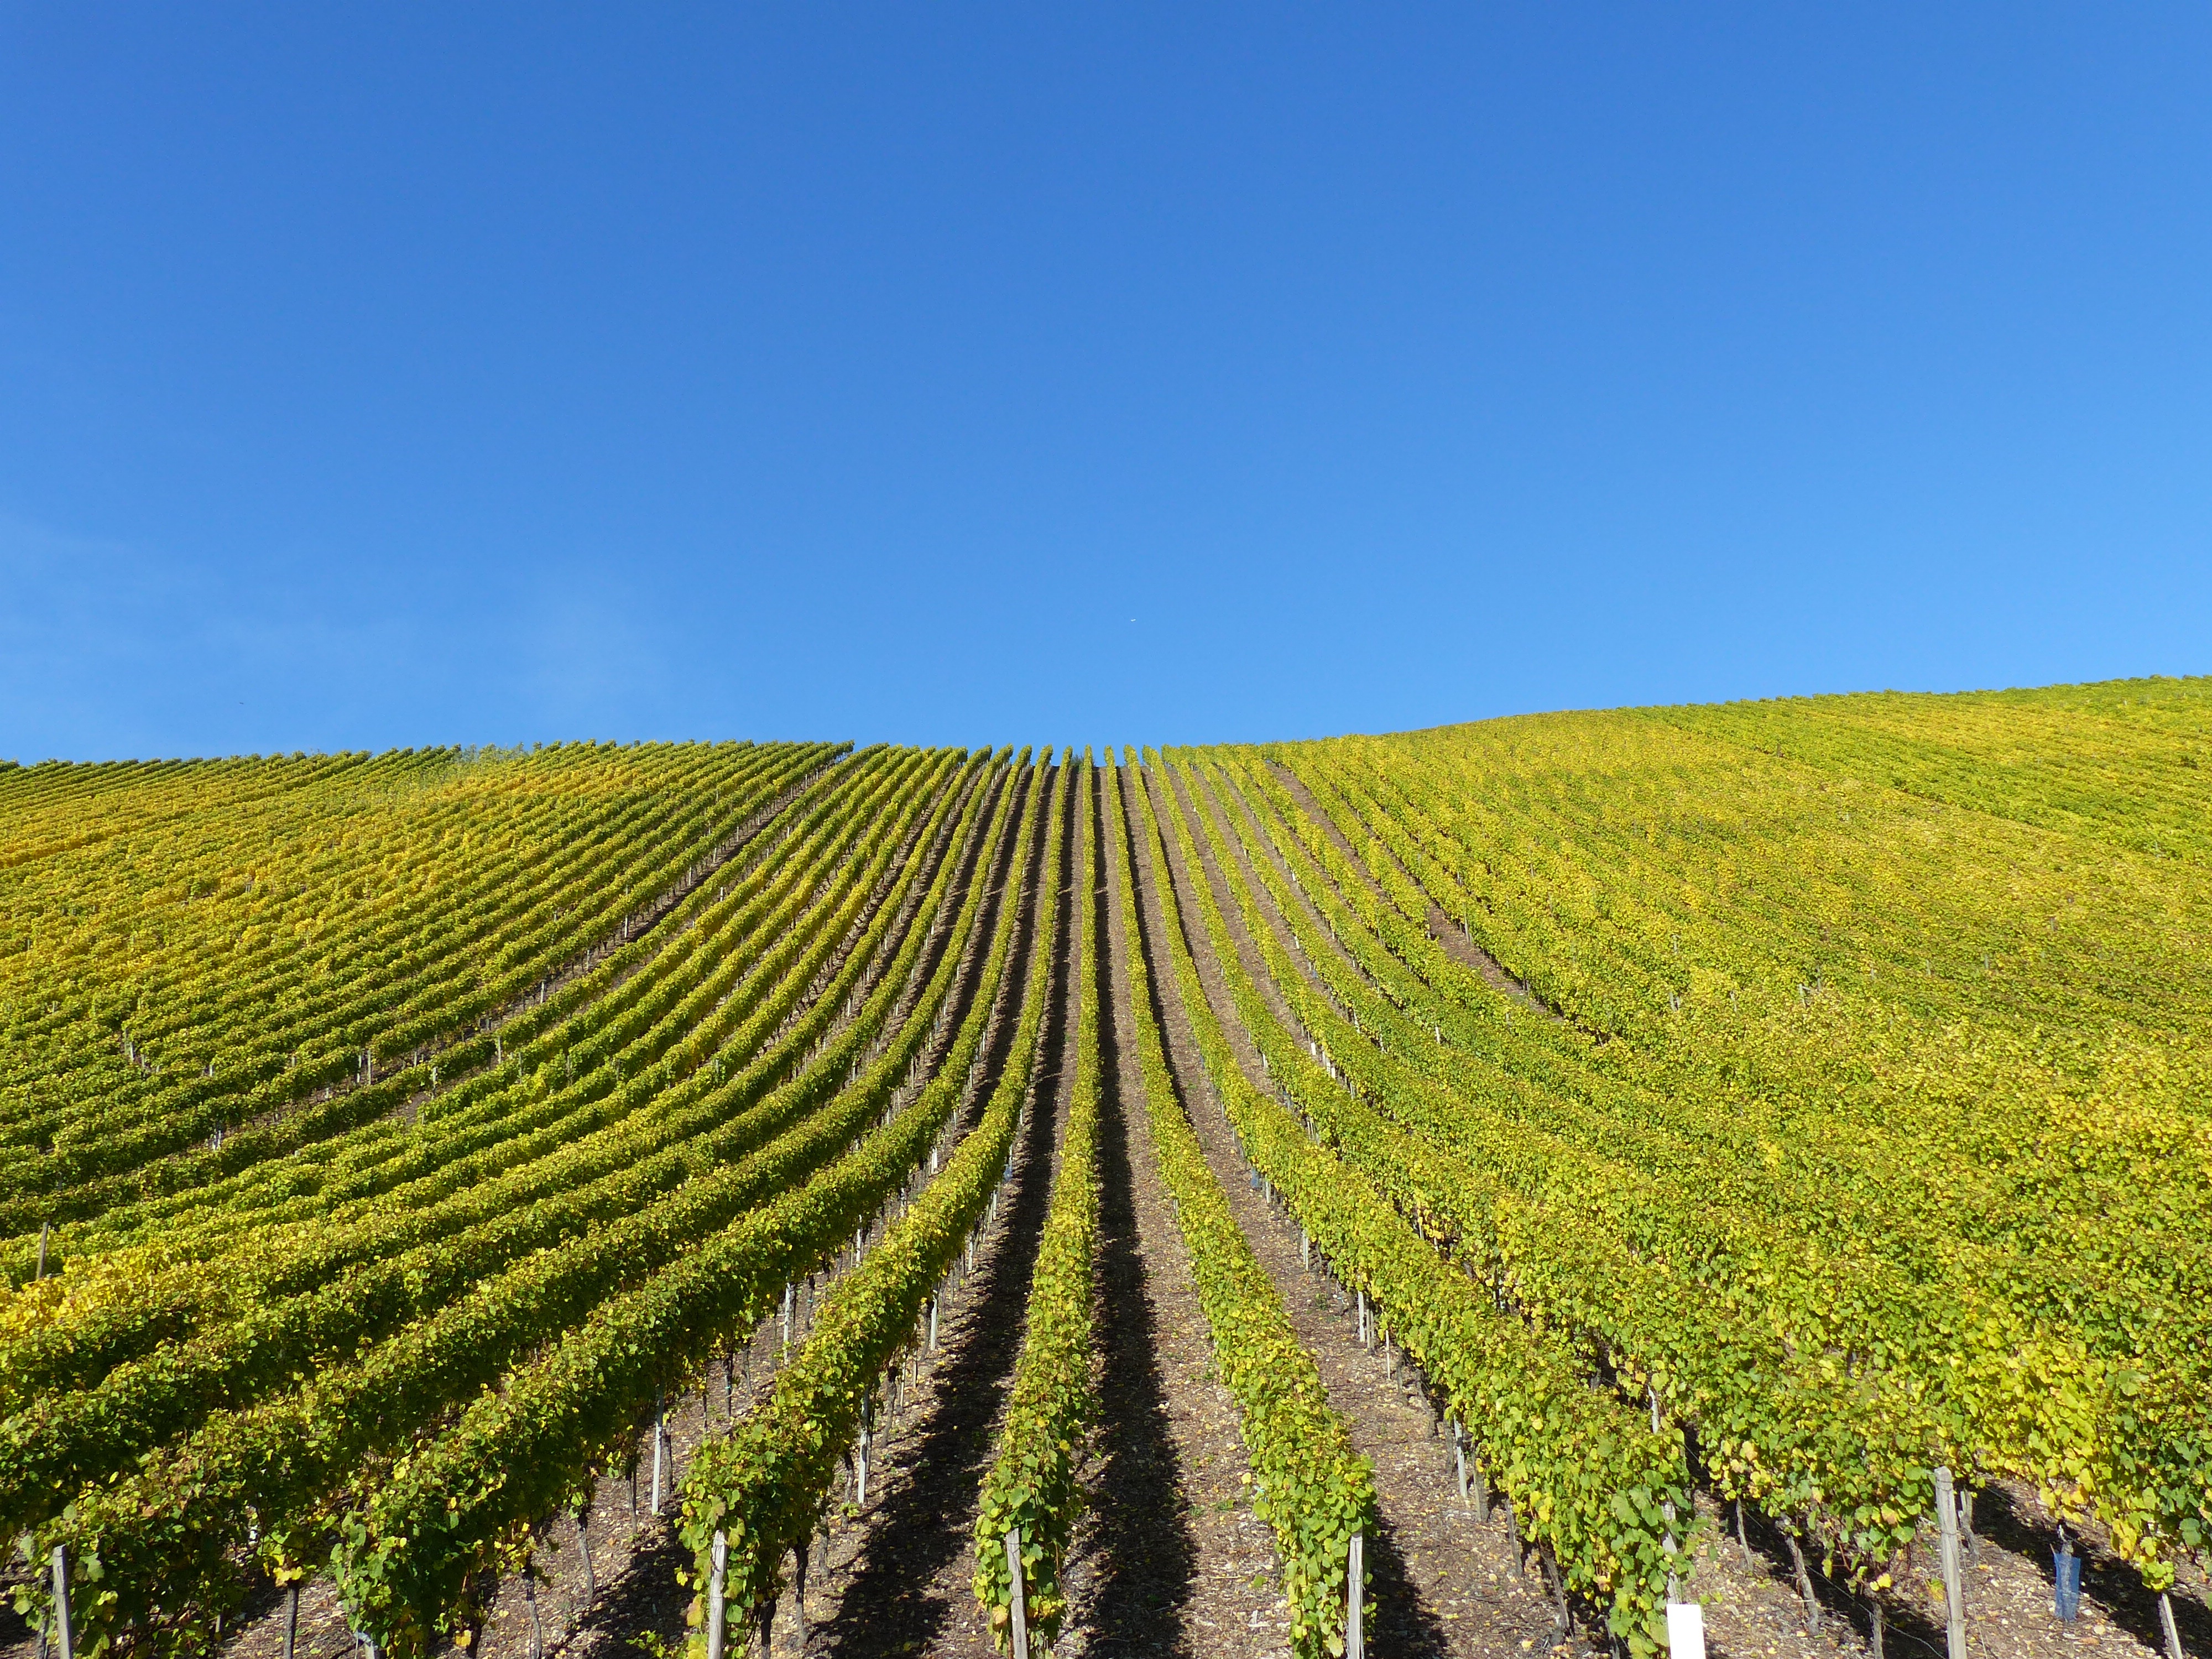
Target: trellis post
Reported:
[(64, 1643), (660, 1440), (2167, 1624), (1954, 1593), (1021, 1616), (584, 1550), (1355, 1571), (715, 1582), (530, 1602)]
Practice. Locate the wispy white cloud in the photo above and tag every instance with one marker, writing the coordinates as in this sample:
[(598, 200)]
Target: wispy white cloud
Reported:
[(107, 648)]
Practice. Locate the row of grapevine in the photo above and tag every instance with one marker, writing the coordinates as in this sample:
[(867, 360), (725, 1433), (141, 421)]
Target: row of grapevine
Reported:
[(367, 1165), (1648, 930), (405, 983), (1316, 1493), (1805, 1098), (755, 1497), (2085, 1376), (407, 1556), (139, 1045), (2082, 1376), (1652, 1276), (2132, 776), (257, 992), (273, 1463), (1588, 1479), (308, 1182), (62, 1440), (1031, 1491)]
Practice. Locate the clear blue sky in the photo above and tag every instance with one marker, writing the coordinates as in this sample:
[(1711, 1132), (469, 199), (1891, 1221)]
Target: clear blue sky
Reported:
[(376, 375)]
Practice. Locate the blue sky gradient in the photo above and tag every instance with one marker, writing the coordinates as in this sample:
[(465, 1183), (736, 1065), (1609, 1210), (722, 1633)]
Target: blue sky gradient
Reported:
[(376, 376)]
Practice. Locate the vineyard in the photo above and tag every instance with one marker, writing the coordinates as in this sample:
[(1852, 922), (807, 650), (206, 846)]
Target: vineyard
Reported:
[(1732, 1179)]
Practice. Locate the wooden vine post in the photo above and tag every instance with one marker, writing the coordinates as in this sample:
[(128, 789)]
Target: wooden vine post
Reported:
[(64, 1642), (860, 1462), (1804, 1584), (1685, 1620), (1954, 1593), (1674, 1585), (1019, 1600), (660, 1440), (717, 1583), (1355, 1573), (530, 1602)]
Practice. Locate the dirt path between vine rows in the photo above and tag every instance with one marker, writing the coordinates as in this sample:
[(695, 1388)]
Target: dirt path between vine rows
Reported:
[(1170, 1558), (1441, 1584), (899, 1574)]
